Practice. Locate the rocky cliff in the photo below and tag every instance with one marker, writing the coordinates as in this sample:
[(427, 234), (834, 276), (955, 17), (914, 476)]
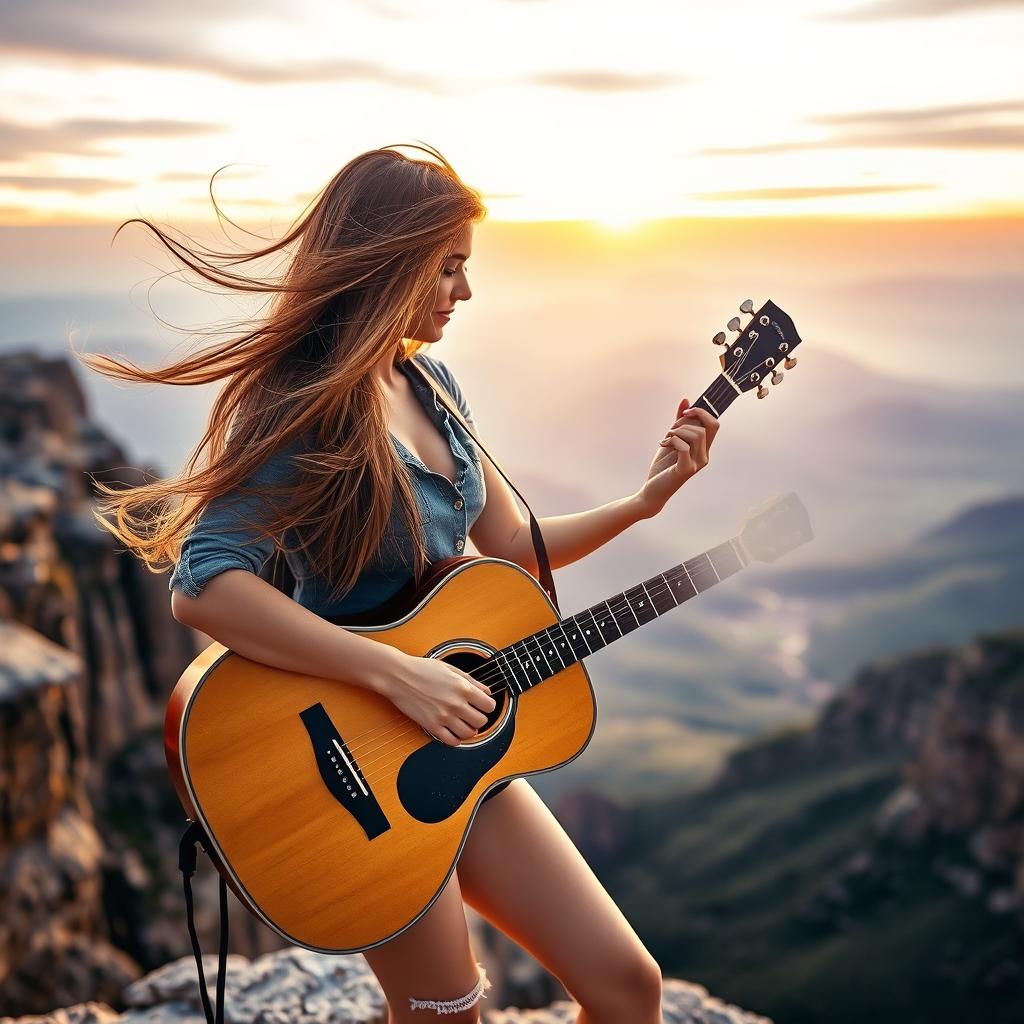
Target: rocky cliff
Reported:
[(957, 714), (89, 892), (295, 986), (965, 781)]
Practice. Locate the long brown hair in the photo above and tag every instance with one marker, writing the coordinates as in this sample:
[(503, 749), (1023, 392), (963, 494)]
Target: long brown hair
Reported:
[(369, 249)]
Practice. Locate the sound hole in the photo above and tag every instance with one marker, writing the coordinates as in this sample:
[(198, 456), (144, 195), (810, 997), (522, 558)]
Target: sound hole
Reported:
[(490, 675)]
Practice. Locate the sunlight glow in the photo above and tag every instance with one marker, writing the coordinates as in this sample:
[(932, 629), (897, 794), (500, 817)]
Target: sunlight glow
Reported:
[(627, 126)]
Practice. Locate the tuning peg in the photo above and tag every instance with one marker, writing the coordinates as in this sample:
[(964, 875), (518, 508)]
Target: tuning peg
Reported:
[(762, 391), (777, 376), (790, 362), (719, 339), (734, 324), (747, 306)]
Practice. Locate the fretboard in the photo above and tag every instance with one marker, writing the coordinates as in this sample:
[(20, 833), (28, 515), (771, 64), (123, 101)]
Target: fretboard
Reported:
[(541, 655), (718, 397)]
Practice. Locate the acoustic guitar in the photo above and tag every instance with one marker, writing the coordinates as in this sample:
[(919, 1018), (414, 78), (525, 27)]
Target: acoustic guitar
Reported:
[(336, 819)]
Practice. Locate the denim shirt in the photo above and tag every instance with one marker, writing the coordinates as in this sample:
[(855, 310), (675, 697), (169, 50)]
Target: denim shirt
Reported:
[(448, 512)]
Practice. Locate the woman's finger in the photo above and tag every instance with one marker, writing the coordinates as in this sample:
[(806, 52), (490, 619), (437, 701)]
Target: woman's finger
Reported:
[(694, 438), (703, 417), (695, 428), (699, 446), (688, 432), (679, 444)]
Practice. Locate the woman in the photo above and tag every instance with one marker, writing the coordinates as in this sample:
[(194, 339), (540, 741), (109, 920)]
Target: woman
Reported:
[(323, 445)]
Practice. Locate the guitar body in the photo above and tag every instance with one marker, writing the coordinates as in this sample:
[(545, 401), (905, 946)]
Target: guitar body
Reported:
[(335, 818)]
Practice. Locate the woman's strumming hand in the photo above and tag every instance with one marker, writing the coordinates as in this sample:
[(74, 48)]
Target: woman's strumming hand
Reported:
[(449, 703), (682, 452)]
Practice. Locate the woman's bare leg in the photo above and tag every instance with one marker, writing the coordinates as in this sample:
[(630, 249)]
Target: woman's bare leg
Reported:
[(521, 871), (429, 971)]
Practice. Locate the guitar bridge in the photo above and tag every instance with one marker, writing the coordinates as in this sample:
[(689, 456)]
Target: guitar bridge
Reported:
[(340, 772)]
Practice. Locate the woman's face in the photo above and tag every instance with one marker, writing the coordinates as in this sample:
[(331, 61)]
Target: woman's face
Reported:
[(451, 287)]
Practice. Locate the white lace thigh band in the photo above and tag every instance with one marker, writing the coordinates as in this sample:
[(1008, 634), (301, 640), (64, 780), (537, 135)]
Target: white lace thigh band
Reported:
[(455, 1005)]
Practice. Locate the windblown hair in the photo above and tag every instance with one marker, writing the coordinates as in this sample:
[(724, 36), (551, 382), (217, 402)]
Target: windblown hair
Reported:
[(368, 252)]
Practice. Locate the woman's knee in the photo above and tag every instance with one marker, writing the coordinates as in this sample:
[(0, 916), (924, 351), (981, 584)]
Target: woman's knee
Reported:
[(632, 986)]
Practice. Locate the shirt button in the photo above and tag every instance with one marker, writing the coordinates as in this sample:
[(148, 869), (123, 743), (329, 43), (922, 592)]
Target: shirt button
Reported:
[(460, 544), (458, 503)]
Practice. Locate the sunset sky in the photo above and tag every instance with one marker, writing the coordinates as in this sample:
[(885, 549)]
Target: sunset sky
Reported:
[(555, 109), (646, 167)]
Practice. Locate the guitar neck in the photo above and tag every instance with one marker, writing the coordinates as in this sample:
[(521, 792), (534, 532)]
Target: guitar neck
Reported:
[(541, 655)]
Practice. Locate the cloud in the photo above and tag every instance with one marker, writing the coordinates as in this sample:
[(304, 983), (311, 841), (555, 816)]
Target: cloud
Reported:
[(916, 115), (237, 171), (810, 191), (333, 70), (158, 35), (85, 136), (884, 10), (139, 32), (607, 81), (964, 126), (79, 186)]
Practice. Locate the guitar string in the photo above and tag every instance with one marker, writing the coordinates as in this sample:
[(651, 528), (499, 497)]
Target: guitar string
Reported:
[(396, 744), (499, 674), (403, 721), (382, 749), (492, 670)]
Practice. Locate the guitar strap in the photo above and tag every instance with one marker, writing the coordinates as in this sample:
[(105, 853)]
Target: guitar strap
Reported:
[(544, 567), (195, 834)]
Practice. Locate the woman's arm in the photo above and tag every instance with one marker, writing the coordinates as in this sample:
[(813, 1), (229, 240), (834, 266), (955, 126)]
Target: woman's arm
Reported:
[(501, 531), (252, 618), (216, 588), (570, 537)]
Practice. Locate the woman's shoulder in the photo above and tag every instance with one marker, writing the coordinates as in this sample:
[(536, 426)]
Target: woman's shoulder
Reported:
[(441, 372), (436, 367)]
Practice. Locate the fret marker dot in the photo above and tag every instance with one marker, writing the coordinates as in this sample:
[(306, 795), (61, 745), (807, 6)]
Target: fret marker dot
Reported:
[(588, 632), (641, 604)]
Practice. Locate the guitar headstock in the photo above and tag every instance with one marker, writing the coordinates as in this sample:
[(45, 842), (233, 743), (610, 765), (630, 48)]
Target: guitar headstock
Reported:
[(775, 528), (764, 344)]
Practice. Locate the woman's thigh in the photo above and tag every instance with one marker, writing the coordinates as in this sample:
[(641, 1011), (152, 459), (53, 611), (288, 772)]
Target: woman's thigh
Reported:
[(521, 871), (432, 961)]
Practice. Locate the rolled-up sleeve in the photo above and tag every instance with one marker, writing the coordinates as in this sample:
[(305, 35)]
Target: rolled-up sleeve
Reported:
[(226, 535)]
